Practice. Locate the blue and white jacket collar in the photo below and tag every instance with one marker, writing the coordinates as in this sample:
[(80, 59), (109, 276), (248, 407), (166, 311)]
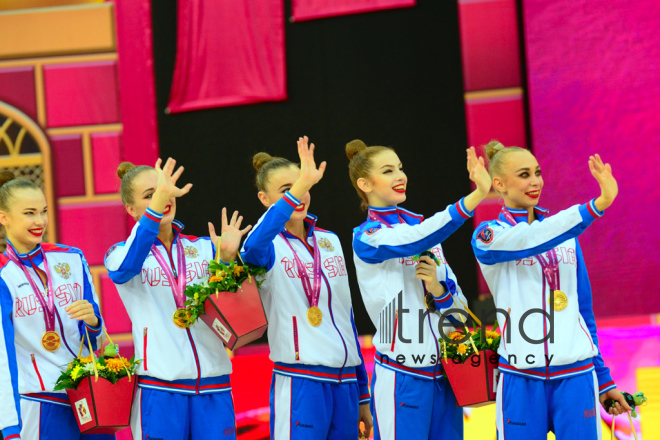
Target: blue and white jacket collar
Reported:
[(394, 215), (310, 225), (177, 227), (33, 256), (520, 215)]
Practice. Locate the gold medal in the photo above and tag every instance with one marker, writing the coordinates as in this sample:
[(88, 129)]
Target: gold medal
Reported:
[(50, 341), (181, 318), (559, 300), (314, 316)]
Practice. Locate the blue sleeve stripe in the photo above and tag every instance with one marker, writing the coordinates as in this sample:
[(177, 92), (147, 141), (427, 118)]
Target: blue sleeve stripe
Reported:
[(460, 205), (591, 206), (6, 309), (490, 257), (288, 197), (150, 219), (374, 255)]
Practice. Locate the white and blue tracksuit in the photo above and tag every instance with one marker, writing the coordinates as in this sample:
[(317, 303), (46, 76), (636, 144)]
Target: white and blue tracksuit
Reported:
[(563, 374), (183, 389), (411, 398), (29, 408), (319, 379)]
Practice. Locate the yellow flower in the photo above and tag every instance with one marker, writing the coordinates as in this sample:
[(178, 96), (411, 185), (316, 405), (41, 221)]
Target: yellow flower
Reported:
[(489, 340), (196, 296), (216, 279), (462, 349), (491, 334), (76, 372), (456, 335), (238, 270), (86, 359)]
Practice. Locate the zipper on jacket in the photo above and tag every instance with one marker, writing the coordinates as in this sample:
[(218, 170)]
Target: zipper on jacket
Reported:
[(144, 348), (396, 323), (36, 369), (295, 338)]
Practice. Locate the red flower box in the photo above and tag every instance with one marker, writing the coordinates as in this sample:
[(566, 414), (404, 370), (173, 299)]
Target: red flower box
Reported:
[(101, 407), (474, 382), (238, 318)]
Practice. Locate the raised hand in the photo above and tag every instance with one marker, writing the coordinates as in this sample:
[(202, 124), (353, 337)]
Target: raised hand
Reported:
[(479, 175), (231, 235), (310, 175), (166, 188), (608, 185)]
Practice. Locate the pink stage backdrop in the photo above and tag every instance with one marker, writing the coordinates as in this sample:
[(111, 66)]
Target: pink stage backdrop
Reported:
[(228, 53), (594, 87), (311, 9)]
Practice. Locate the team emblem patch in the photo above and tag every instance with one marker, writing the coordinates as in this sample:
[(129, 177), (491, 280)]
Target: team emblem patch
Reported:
[(64, 270), (486, 235), (326, 244), (191, 251), (371, 231)]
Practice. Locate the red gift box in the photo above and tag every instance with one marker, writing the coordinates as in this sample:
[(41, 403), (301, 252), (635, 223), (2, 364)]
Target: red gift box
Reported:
[(474, 381), (101, 407), (238, 318)]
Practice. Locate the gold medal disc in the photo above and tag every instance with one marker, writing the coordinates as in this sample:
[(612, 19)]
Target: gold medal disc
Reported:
[(559, 301), (181, 318), (50, 341), (314, 316)]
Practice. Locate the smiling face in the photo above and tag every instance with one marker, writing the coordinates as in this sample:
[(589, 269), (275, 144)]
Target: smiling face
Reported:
[(520, 183), (386, 183), (26, 219), (144, 186), (280, 181)]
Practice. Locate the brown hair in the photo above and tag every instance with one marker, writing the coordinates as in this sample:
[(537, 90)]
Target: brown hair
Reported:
[(127, 172), (8, 184), (360, 163), (496, 154), (264, 164)]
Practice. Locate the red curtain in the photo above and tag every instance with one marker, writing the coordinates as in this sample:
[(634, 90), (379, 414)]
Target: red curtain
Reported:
[(311, 9), (228, 53)]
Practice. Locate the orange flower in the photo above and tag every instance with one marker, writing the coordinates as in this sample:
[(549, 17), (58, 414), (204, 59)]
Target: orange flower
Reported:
[(216, 279), (462, 349), (456, 335), (86, 359), (238, 270), (117, 364)]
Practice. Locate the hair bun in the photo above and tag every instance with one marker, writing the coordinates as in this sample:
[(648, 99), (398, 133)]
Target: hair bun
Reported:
[(260, 159), (124, 168), (354, 147), (492, 148), (6, 176)]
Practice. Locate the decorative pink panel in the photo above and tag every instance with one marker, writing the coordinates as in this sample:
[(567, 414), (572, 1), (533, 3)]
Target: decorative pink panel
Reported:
[(114, 312), (501, 118), (490, 44), (17, 89), (92, 227), (594, 87), (106, 155), (81, 94), (487, 210), (69, 171)]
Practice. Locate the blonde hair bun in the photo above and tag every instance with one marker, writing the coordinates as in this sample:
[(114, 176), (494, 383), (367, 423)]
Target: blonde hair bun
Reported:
[(6, 176), (354, 147), (261, 159), (492, 148), (124, 168)]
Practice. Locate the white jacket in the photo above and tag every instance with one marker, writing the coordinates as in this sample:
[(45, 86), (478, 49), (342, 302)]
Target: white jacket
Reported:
[(407, 333), (26, 368), (329, 352), (507, 256), (189, 361)]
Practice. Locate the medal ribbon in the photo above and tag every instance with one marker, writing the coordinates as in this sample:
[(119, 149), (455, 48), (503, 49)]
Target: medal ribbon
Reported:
[(550, 266), (177, 280), (312, 295), (48, 307)]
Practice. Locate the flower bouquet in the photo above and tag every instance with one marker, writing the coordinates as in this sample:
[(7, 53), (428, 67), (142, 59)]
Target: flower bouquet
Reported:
[(100, 388), (229, 302), (470, 360)]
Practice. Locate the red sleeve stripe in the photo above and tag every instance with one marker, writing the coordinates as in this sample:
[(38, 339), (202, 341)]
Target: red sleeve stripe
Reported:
[(608, 384), (151, 217), (460, 211)]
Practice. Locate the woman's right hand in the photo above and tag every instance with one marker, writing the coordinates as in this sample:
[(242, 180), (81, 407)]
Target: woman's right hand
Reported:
[(479, 175), (310, 175), (608, 185), (166, 188)]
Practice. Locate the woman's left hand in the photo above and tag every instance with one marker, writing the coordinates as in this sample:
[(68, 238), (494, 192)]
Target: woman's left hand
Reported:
[(231, 235), (426, 271), (367, 419), (83, 310)]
